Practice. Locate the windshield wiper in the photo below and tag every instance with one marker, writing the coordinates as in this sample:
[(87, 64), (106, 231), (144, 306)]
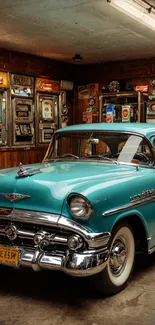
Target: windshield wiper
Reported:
[(103, 158), (67, 155)]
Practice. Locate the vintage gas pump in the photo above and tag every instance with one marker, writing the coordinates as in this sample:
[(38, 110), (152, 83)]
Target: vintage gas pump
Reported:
[(47, 103)]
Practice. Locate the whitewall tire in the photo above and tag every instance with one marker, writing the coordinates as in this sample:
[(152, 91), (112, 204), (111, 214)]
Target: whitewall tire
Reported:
[(120, 264)]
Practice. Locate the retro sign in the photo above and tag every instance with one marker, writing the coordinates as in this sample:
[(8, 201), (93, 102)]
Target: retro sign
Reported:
[(126, 113), (4, 80), (110, 113), (142, 88), (47, 85)]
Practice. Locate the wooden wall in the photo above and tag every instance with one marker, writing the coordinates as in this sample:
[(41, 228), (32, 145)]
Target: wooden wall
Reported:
[(12, 158), (31, 65)]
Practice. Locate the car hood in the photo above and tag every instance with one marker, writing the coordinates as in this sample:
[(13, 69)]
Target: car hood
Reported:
[(48, 189)]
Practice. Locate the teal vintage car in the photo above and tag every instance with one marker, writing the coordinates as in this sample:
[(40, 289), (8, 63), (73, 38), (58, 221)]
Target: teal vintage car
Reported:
[(87, 208)]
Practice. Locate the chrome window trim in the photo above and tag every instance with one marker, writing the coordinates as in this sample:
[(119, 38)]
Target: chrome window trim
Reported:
[(63, 132)]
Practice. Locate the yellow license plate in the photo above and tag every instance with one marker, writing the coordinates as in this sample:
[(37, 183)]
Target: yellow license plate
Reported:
[(9, 255)]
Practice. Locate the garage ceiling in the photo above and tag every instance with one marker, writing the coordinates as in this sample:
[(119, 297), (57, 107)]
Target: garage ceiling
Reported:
[(58, 29)]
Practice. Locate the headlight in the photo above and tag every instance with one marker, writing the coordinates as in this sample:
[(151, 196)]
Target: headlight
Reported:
[(80, 207)]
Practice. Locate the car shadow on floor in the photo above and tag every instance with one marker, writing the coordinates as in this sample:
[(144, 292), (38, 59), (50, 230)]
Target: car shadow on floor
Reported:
[(56, 286)]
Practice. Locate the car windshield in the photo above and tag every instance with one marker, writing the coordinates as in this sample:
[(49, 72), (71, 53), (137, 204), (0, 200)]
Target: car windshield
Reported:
[(106, 146)]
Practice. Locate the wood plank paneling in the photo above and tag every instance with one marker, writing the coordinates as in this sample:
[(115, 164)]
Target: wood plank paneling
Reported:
[(12, 158), (142, 68), (28, 64)]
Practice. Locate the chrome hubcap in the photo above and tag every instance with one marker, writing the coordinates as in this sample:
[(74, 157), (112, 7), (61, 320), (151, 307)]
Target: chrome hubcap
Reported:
[(118, 256)]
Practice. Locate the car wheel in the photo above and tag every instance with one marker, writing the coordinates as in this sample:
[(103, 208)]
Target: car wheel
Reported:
[(114, 277)]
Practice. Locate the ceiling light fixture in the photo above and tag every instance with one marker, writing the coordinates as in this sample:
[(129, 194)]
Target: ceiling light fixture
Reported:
[(77, 57), (139, 10)]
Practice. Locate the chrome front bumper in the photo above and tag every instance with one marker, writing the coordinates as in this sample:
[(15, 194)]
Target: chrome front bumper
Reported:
[(73, 263), (90, 259)]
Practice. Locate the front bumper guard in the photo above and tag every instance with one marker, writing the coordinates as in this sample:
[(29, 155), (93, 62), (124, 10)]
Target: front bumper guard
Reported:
[(78, 264)]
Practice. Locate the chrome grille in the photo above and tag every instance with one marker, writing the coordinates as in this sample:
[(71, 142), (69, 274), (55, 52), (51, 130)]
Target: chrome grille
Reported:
[(57, 227), (25, 234)]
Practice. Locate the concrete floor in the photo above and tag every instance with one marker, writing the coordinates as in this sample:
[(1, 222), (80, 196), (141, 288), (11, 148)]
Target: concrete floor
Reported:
[(53, 298)]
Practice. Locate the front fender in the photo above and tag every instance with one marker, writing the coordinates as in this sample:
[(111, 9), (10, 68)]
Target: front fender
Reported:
[(124, 215)]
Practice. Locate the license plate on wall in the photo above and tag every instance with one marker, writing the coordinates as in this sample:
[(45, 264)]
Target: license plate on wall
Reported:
[(9, 255)]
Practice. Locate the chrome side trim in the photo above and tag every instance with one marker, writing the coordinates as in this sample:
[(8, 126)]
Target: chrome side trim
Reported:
[(129, 206), (40, 218)]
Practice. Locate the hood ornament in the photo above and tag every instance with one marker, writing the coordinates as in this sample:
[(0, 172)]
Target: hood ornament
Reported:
[(24, 172), (14, 197)]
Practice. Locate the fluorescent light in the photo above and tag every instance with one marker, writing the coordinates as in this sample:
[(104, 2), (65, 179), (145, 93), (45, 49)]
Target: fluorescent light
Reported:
[(138, 10)]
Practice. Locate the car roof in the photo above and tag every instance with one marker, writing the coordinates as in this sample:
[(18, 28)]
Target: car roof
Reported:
[(145, 129)]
